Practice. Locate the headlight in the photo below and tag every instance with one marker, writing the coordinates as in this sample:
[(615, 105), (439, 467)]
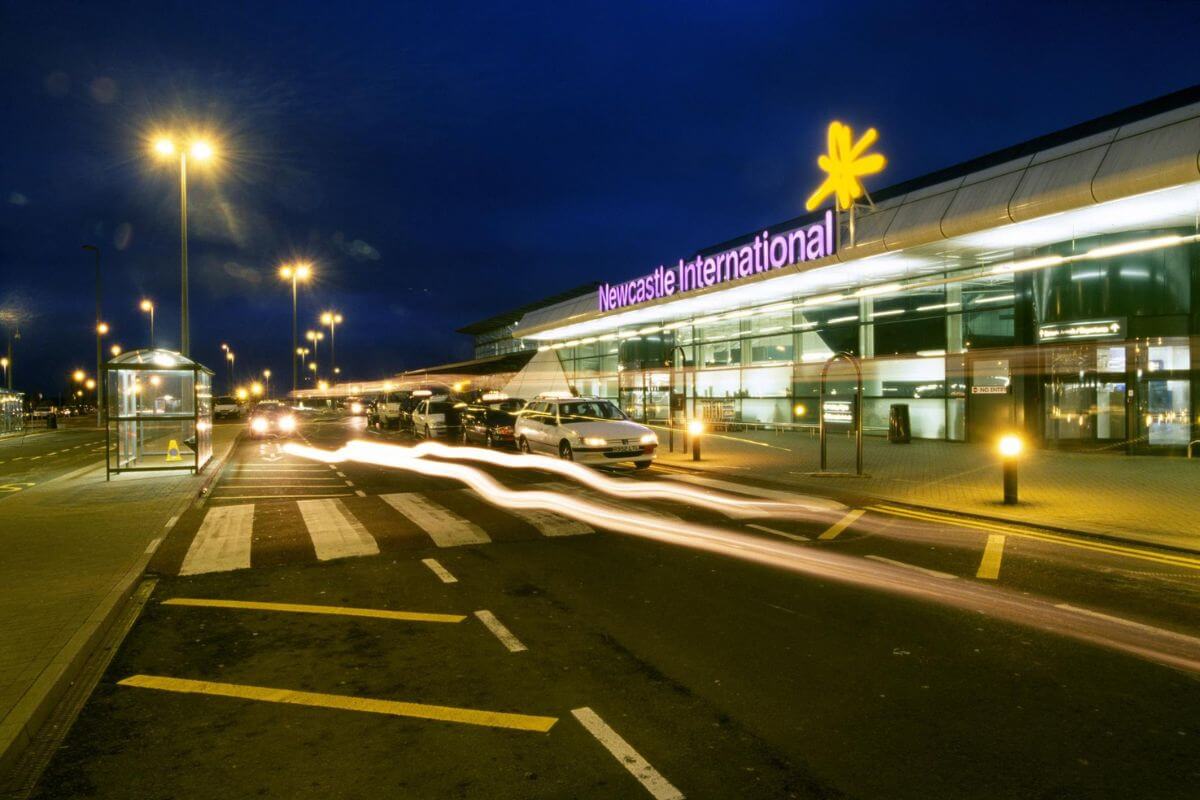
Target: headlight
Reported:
[(594, 441), (287, 424), (258, 424), (356, 408), (648, 438)]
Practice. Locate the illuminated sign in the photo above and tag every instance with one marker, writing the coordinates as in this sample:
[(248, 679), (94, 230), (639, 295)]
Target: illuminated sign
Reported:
[(838, 412), (765, 253), (989, 390), (844, 164), (1083, 329)]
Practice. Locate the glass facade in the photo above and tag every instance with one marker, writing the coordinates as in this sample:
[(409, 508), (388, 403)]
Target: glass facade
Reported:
[(1093, 354)]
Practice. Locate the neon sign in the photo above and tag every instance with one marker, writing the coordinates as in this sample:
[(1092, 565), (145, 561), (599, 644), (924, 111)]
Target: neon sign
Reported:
[(844, 164), (765, 253)]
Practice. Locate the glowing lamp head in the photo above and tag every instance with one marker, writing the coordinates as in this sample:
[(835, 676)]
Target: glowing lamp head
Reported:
[(256, 389), (147, 305), (1010, 446), (202, 150), (695, 427), (799, 410), (102, 328), (242, 394), (267, 373), (78, 375), (90, 384), (115, 350), (303, 272), (327, 318), (164, 147)]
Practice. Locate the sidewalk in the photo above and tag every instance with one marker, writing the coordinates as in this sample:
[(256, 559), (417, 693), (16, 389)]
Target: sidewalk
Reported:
[(73, 550), (1138, 498)]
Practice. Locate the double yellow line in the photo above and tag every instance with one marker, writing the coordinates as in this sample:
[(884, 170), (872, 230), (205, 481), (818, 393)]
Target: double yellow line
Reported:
[(1169, 559)]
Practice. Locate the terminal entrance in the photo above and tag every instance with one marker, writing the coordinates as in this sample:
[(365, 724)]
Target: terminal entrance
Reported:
[(1086, 396)]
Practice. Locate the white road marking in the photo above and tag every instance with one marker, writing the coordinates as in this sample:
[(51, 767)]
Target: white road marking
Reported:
[(334, 531), (340, 474), (550, 524), (755, 491), (931, 572), (223, 541), (171, 522), (150, 548), (446, 528), (502, 633), (845, 522), (650, 778), (1128, 622), (439, 570), (350, 484), (216, 496), (360, 493), (795, 537)]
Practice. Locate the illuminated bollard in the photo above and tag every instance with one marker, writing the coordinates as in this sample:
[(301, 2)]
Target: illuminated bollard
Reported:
[(695, 428), (1010, 450)]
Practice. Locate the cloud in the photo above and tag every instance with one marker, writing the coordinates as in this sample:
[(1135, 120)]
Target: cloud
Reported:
[(18, 199), (357, 249), (242, 273), (103, 90)]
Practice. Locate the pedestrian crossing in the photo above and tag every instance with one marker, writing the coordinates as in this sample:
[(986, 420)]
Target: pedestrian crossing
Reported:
[(233, 536)]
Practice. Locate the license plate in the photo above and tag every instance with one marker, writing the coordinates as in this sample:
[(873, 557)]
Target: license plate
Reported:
[(628, 450)]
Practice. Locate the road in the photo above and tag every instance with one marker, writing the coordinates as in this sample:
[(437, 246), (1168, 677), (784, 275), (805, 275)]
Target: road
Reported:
[(40, 456), (350, 630)]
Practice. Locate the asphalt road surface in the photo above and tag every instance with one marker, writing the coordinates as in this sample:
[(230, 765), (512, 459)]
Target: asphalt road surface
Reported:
[(355, 631), (40, 456)]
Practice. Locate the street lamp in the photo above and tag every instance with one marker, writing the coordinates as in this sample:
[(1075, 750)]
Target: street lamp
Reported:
[(115, 350), (295, 273), (267, 381), (148, 307), (4, 364), (101, 328), (79, 375), (230, 357), (695, 429), (201, 150), (332, 319), (316, 337)]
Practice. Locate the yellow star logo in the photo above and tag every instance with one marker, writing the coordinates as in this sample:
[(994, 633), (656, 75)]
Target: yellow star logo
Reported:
[(844, 164)]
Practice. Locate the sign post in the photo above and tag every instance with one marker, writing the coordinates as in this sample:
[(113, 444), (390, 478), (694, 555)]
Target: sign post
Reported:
[(842, 412)]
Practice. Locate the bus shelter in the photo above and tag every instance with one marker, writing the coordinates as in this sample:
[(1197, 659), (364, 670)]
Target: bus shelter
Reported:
[(12, 411), (159, 412)]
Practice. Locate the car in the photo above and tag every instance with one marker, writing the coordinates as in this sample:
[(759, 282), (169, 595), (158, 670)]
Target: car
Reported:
[(271, 418), (226, 407), (435, 417), (491, 420), (590, 430), (355, 406)]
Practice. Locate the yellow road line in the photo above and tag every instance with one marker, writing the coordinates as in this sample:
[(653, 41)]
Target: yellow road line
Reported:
[(294, 608), (395, 708), (1096, 545), (989, 567), (841, 524)]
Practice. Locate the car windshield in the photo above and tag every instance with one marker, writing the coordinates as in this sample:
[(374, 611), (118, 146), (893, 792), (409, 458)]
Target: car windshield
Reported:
[(590, 409), (268, 408), (225, 401), (505, 405)]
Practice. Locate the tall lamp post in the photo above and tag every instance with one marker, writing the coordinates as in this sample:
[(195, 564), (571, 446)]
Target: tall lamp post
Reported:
[(295, 273), (148, 307), (332, 319), (200, 150), (315, 337), (267, 382), (101, 329)]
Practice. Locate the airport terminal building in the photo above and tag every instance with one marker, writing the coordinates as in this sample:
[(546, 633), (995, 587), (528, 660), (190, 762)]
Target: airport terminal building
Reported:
[(1051, 288)]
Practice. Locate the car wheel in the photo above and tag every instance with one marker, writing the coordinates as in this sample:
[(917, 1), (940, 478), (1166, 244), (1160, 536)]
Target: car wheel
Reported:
[(564, 451), (642, 464), (523, 445)]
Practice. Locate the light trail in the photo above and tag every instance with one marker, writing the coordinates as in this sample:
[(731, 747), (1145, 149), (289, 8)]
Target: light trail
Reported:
[(642, 490), (1164, 647)]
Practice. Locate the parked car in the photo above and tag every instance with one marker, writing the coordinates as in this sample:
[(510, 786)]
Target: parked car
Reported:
[(434, 418), (226, 407), (271, 418), (491, 420), (590, 430)]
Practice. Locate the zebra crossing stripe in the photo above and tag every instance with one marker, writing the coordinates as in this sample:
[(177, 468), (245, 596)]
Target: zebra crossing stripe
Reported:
[(334, 531), (550, 524), (446, 528), (223, 541)]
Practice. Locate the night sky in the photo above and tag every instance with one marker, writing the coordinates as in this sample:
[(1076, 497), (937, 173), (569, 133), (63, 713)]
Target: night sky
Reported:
[(441, 162)]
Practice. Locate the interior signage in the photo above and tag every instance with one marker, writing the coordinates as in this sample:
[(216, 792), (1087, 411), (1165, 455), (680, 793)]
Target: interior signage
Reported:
[(989, 390), (767, 252), (838, 412), (1082, 329)]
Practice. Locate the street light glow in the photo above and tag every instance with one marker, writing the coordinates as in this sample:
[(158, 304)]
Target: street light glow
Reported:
[(115, 350), (90, 384), (147, 305), (164, 147), (78, 375), (1010, 446), (202, 150), (102, 328)]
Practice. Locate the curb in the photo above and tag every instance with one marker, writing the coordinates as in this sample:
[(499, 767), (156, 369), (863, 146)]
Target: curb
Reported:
[(26, 718), (1083, 534)]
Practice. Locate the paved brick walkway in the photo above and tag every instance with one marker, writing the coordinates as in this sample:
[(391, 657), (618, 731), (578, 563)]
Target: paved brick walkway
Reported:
[(68, 546), (1142, 498)]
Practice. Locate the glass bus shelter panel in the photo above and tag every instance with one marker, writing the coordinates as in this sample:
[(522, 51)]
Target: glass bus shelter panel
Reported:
[(156, 444), (12, 417), (203, 419)]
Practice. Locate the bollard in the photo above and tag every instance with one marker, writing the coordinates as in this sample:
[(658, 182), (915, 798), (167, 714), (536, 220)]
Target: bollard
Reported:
[(1010, 449), (695, 428)]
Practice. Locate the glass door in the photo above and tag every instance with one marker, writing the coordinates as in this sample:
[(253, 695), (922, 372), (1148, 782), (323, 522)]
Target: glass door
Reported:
[(1164, 400), (1085, 396)]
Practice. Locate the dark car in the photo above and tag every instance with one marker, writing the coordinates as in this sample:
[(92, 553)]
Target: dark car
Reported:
[(271, 418), (490, 421)]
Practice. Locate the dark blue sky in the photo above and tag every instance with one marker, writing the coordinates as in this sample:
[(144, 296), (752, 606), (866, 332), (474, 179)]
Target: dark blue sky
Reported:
[(440, 162)]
